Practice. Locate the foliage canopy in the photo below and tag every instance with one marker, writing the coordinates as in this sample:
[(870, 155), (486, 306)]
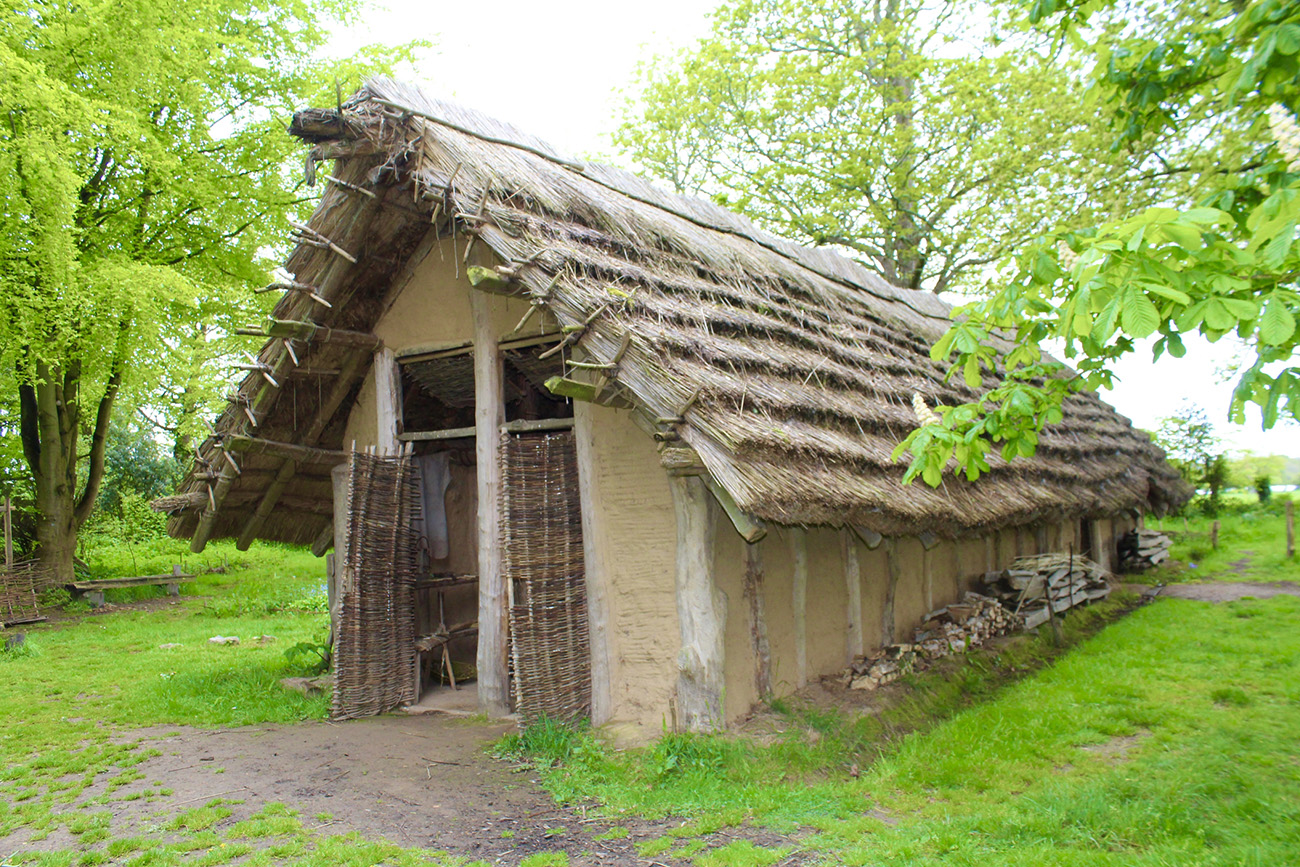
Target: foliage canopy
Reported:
[(1219, 259), (143, 160), (899, 131)]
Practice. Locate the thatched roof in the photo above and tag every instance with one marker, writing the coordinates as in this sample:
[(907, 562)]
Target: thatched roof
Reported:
[(797, 366)]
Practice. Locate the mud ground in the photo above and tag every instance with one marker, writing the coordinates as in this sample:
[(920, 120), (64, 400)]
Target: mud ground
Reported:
[(424, 781), (1229, 591)]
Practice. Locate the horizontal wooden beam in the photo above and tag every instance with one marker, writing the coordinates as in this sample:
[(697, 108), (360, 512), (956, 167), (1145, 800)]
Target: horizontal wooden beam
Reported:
[(312, 332), (257, 446), (517, 426)]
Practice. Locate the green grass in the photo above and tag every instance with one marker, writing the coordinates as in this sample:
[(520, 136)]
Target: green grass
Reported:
[(1167, 738), (1170, 737), (77, 683), (1252, 545)]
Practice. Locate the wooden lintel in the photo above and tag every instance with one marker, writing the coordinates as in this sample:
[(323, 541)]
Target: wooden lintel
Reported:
[(749, 529)]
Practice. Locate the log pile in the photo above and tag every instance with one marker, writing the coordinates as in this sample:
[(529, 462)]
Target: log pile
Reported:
[(951, 629), (1142, 549), (1031, 582)]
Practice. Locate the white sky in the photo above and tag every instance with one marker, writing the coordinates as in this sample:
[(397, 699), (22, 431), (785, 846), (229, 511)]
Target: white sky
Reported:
[(555, 69)]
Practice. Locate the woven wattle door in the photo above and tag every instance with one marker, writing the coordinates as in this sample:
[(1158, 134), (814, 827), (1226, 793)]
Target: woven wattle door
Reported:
[(374, 650), (541, 529)]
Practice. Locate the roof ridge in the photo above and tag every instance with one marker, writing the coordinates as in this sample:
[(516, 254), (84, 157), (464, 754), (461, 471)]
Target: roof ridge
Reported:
[(764, 239)]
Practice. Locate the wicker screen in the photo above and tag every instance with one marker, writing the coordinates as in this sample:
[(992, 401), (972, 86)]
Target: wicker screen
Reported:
[(541, 531), (374, 650)]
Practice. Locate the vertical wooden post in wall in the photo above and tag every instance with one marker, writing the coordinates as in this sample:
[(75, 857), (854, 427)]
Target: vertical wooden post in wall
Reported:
[(891, 591), (1040, 539), (927, 575), (701, 610), (489, 413), (799, 545), (754, 592), (334, 587), (596, 569), (990, 552), (852, 583), (387, 407)]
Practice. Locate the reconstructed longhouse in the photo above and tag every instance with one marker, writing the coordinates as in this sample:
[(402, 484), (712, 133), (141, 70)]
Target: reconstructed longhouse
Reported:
[(618, 451)]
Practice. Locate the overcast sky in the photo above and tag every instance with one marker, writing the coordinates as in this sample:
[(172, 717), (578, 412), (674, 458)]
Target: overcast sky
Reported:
[(556, 69)]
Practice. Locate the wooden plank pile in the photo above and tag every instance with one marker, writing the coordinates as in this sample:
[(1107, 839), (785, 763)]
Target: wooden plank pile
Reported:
[(1143, 549), (951, 629), (1061, 580)]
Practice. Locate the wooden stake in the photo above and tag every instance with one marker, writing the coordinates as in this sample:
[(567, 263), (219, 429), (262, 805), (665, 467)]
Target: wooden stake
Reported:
[(1290, 529), (9, 534), (853, 584), (891, 591), (1214, 536), (799, 602), (754, 580)]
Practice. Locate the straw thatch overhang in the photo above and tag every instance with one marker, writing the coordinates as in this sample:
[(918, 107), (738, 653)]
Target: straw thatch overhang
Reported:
[(785, 373)]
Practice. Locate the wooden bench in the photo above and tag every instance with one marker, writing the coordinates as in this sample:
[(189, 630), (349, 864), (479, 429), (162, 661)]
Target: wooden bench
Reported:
[(93, 591)]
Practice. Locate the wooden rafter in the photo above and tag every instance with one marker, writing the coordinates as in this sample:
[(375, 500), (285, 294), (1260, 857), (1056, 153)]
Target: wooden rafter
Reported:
[(352, 369)]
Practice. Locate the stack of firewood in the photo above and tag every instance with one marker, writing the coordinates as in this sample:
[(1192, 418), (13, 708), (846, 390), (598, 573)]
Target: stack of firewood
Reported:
[(1037, 587), (1142, 549), (954, 628), (951, 629)]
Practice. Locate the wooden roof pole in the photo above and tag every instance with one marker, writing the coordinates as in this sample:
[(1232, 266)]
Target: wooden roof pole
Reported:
[(348, 375)]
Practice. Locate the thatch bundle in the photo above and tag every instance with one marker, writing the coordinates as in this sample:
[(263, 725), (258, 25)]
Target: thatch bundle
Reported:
[(792, 370)]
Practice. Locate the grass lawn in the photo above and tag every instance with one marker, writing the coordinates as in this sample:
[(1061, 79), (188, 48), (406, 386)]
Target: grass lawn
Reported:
[(1170, 737), (1252, 543)]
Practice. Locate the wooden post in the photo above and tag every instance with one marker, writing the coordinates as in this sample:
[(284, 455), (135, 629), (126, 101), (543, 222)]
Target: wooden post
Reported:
[(754, 580), (927, 570), (1290, 529), (701, 610), (489, 413), (1214, 536), (387, 408), (799, 601), (596, 567), (852, 583), (891, 591)]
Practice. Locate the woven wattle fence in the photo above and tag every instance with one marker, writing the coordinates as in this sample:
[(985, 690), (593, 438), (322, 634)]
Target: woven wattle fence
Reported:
[(542, 556), (374, 650), (19, 588)]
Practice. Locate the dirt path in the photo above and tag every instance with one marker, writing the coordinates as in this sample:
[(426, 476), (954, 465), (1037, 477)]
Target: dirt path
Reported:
[(415, 781), (1230, 591)]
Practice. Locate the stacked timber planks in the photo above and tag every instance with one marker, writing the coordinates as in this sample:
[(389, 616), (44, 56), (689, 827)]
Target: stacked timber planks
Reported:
[(1142, 549), (1037, 587), (952, 629)]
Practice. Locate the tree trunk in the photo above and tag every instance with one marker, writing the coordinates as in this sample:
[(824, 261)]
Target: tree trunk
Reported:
[(50, 425)]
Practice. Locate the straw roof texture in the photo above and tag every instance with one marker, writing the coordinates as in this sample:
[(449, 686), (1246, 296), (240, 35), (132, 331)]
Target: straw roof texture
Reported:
[(792, 369)]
